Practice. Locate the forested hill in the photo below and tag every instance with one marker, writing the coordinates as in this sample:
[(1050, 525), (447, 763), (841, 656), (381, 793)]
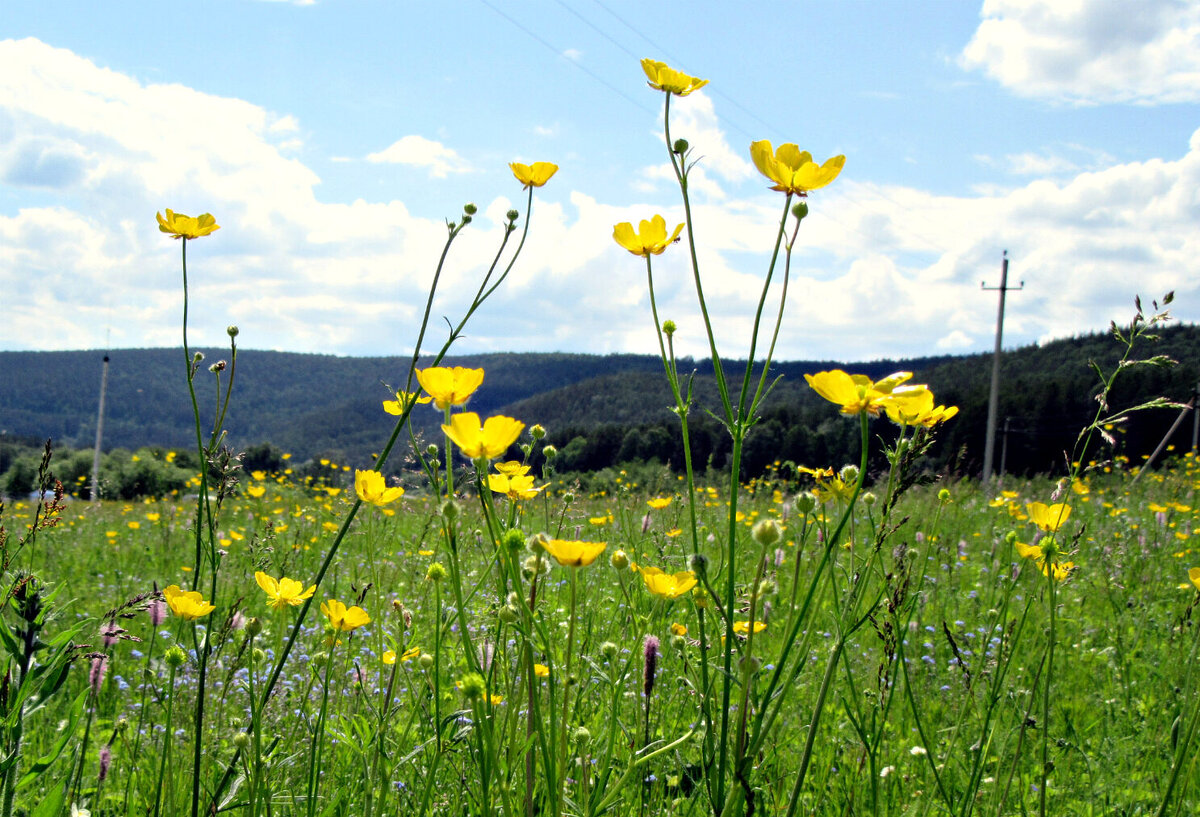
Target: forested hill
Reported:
[(599, 410)]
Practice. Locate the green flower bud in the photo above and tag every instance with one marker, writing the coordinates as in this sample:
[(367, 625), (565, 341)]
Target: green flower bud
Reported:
[(1010, 537), (507, 614), (470, 209), (805, 502), (609, 650), (669, 328), (800, 210), (472, 686), (868, 498), (426, 661), (241, 740), (232, 331), (537, 431), (432, 450), (698, 563), (259, 655), (537, 543), (849, 473), (175, 657), (678, 642), (944, 496), (512, 215), (766, 532), (435, 572), (582, 737), (450, 510), (680, 147), (619, 560), (254, 626), (549, 452), (513, 539)]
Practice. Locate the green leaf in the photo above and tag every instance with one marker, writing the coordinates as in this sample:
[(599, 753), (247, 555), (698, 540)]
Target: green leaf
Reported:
[(45, 761)]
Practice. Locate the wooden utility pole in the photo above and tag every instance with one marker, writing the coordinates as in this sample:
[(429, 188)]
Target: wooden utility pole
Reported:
[(989, 448), (99, 433)]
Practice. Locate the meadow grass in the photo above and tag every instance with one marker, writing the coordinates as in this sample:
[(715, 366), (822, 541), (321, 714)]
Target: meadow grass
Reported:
[(942, 696)]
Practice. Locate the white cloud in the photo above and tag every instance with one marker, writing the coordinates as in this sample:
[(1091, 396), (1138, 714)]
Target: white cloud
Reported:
[(1090, 51), (877, 270), (421, 152)]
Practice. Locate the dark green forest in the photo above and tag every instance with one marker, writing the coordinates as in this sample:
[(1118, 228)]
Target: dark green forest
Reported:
[(599, 411)]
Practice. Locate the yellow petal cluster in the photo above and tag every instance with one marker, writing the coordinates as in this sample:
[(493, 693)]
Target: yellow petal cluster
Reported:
[(650, 239), (486, 440), (1036, 554), (668, 585), (1194, 575), (534, 175), (664, 78), (1048, 517), (187, 604), (343, 618), (857, 393), (177, 225), (574, 554), (743, 627), (283, 592), (403, 400), (792, 169), (449, 386), (371, 486), (515, 487), (919, 410)]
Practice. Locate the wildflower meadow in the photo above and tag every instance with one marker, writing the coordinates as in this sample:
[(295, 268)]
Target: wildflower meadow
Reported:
[(446, 630)]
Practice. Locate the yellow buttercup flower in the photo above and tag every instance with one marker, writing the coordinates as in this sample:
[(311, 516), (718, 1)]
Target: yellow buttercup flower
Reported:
[(283, 593), (534, 175), (177, 225), (659, 502), (372, 487), (1036, 554), (388, 657), (483, 440), (403, 400), (743, 627), (1048, 517), (858, 393), (1194, 575), (650, 239), (343, 618), (450, 386), (664, 78), (668, 585), (918, 410), (518, 486), (792, 169), (574, 554), (187, 604), (541, 670), (512, 468)]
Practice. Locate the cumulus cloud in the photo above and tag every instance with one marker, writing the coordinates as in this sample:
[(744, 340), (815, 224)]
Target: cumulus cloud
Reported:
[(877, 270), (1090, 51), (421, 152)]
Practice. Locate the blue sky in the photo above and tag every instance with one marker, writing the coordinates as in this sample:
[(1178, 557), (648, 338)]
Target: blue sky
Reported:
[(332, 139)]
